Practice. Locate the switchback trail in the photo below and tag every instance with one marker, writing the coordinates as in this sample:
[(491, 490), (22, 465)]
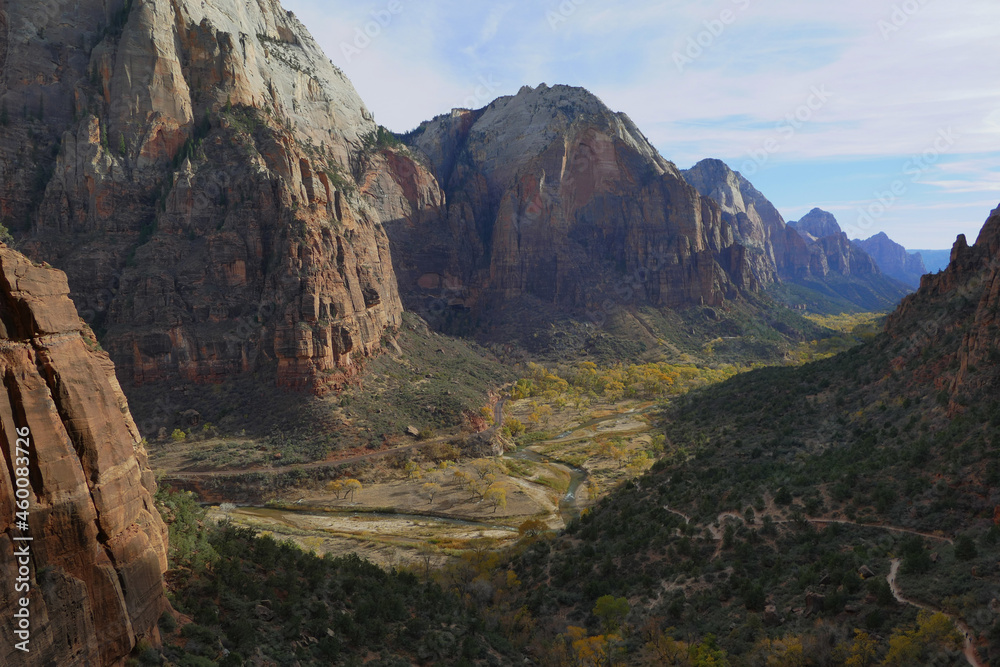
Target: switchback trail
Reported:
[(971, 655)]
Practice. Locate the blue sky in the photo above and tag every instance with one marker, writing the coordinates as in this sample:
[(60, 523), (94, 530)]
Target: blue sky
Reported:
[(884, 112)]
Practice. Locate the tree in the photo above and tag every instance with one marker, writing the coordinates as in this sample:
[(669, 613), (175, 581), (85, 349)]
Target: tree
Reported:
[(412, 470), (612, 612), (662, 646), (965, 548), (484, 467), (862, 651), (336, 487), (514, 427), (427, 553), (638, 463), (350, 487), (462, 479), (708, 654), (784, 652), (531, 528), (497, 495), (593, 489), (122, 148), (620, 455), (430, 489)]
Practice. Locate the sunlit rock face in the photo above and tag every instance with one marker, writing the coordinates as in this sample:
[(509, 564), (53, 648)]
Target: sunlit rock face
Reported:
[(98, 548), (553, 201), (194, 168)]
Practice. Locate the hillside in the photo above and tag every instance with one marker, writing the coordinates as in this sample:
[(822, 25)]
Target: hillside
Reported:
[(789, 496), (560, 214)]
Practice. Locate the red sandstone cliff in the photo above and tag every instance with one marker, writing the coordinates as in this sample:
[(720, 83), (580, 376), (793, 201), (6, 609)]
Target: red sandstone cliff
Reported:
[(99, 547), (948, 331), (555, 203), (192, 167)]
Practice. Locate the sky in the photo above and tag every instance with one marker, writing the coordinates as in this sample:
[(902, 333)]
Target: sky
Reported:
[(883, 112)]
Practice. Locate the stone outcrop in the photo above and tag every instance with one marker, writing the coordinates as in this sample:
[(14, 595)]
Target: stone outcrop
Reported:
[(817, 224), (554, 203), (893, 259), (756, 219), (99, 546), (195, 169), (948, 330)]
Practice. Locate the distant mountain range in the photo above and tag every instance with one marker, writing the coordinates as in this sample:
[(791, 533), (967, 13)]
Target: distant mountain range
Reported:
[(893, 259), (818, 267)]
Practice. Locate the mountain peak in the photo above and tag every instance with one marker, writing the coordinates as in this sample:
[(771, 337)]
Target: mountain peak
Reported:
[(893, 259), (817, 224)]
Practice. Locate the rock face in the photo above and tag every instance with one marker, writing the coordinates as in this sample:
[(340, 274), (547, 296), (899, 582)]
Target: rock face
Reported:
[(194, 169), (817, 224), (554, 203), (757, 220), (893, 259), (948, 330), (813, 252), (99, 547)]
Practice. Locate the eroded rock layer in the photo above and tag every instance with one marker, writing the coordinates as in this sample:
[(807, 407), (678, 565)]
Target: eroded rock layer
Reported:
[(553, 201), (192, 167), (99, 547)]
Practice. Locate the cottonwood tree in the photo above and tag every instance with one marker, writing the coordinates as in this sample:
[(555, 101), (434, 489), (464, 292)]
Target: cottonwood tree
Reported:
[(497, 495), (350, 486), (430, 489)]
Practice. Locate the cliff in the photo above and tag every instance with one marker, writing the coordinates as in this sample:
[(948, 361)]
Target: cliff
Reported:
[(194, 169), (946, 334), (99, 546), (817, 224), (757, 220), (553, 203), (893, 259), (812, 253)]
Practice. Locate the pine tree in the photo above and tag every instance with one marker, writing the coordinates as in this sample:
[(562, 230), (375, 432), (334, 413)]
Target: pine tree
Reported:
[(122, 149)]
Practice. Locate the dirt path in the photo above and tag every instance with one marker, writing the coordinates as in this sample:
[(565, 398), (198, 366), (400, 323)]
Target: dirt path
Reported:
[(202, 474), (971, 655), (881, 526)]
